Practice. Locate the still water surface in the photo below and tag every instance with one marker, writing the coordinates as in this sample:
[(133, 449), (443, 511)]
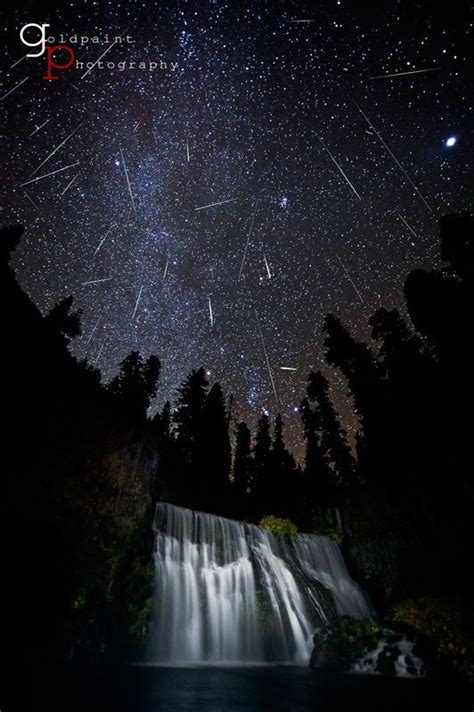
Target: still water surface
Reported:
[(239, 689)]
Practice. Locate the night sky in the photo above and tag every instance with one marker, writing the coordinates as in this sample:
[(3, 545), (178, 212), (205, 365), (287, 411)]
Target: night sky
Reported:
[(331, 177)]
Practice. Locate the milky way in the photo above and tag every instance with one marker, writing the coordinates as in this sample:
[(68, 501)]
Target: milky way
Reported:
[(281, 161)]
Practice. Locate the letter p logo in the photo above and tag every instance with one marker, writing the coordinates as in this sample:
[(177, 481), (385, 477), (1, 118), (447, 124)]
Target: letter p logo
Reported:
[(51, 64)]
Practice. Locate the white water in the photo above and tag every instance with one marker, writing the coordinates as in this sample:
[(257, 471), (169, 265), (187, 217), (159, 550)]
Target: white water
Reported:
[(230, 592), (407, 664)]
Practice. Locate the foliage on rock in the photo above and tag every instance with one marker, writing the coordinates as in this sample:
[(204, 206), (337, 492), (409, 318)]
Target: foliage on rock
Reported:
[(331, 532), (444, 626), (343, 642), (353, 638), (278, 525)]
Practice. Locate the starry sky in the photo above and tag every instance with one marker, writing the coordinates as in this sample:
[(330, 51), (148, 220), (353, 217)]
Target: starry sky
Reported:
[(324, 176)]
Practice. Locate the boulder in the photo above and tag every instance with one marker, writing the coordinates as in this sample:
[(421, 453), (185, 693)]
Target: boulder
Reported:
[(386, 660)]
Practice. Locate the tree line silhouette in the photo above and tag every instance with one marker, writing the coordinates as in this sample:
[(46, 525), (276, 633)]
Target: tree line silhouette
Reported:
[(411, 388)]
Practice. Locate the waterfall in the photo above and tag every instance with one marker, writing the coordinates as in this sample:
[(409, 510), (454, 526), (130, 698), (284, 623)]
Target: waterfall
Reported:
[(231, 592)]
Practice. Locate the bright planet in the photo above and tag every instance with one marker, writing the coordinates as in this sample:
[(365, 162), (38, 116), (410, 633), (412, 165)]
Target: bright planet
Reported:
[(450, 141)]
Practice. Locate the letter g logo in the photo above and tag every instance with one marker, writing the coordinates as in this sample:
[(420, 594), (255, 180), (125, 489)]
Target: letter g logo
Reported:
[(41, 42)]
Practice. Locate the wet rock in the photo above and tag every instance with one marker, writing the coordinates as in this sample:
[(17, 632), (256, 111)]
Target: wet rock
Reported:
[(410, 665), (386, 660), (324, 657), (340, 644)]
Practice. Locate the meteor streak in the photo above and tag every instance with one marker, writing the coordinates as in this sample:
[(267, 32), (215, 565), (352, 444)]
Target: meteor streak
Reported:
[(211, 316), (46, 175), (102, 241), (93, 330), (407, 225), (39, 127), (267, 360), (212, 205), (128, 181), (102, 55), (33, 203), (248, 239), (350, 279), (12, 90), (19, 60), (97, 281), (98, 355), (138, 301), (403, 74), (395, 159), (340, 169), (267, 266), (69, 184), (54, 150)]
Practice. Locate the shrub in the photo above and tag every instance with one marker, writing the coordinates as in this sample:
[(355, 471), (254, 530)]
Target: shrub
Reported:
[(278, 525), (352, 638), (442, 624), (343, 642), (330, 532)]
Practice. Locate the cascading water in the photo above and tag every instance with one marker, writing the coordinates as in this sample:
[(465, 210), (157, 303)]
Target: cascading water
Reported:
[(230, 592)]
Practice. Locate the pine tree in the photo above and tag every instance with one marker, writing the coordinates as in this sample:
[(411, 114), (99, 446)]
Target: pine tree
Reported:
[(242, 470), (9, 240), (187, 418), (283, 467), (317, 477), (441, 303), (365, 379), (189, 406), (333, 436), (136, 384), (165, 418), (214, 457), (63, 321), (261, 483), (160, 426), (151, 374)]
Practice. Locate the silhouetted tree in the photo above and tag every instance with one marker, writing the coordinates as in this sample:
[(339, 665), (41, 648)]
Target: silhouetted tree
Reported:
[(441, 304), (410, 410), (242, 470), (230, 409), (136, 384), (165, 419), (318, 480), (189, 406), (365, 379), (63, 321), (160, 426), (457, 245), (214, 458), (167, 477), (187, 418), (262, 481), (283, 467), (9, 240), (333, 436)]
